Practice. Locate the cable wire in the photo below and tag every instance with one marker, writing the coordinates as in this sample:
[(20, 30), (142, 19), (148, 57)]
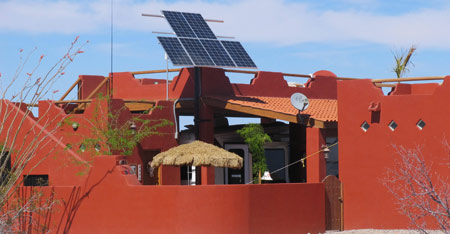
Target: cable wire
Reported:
[(302, 160)]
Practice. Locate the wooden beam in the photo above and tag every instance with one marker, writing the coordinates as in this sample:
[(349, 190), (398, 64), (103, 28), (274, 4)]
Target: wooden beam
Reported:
[(321, 124), (251, 110), (70, 89), (302, 75), (133, 106), (89, 100), (93, 92), (297, 75), (240, 71), (73, 101), (268, 113), (397, 79), (408, 79), (139, 101), (32, 105), (384, 85), (256, 72), (155, 71)]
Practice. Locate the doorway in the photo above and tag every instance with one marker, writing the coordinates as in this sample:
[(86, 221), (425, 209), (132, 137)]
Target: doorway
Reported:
[(238, 176), (333, 203), (149, 175)]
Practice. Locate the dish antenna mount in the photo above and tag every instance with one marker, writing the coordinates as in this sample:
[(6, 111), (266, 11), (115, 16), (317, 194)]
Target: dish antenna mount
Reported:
[(299, 101)]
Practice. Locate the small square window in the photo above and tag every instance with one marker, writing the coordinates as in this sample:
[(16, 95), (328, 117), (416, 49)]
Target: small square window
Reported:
[(420, 124), (365, 126), (393, 125)]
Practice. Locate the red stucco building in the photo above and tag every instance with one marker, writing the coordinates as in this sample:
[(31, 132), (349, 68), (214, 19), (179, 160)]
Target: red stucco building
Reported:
[(117, 194)]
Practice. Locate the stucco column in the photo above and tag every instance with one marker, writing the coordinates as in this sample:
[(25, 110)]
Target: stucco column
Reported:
[(168, 175), (206, 134), (316, 167)]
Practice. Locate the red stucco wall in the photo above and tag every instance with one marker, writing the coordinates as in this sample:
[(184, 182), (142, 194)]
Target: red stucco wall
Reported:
[(113, 202), (364, 157), (216, 83)]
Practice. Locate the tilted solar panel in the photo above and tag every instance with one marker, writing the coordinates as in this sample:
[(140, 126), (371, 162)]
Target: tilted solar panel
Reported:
[(238, 54), (197, 45), (175, 51), (196, 51), (179, 24), (199, 25), (218, 54)]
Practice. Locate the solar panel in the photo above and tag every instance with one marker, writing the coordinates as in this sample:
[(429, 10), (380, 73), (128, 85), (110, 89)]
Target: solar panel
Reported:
[(218, 54), (197, 45), (196, 51), (199, 25), (238, 54), (175, 51), (178, 23)]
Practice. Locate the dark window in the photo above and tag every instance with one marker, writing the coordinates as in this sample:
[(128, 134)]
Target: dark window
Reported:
[(7, 169), (35, 180), (420, 124), (375, 117), (393, 125), (276, 160), (365, 126), (186, 171)]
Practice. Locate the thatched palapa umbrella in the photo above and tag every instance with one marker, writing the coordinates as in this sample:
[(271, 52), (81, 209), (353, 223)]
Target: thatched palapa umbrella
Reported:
[(197, 153)]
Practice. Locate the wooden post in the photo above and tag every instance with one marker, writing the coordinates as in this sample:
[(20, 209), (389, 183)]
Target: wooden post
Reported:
[(70, 89), (259, 176)]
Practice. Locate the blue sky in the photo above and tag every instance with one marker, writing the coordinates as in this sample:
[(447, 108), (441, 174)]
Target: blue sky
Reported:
[(352, 38)]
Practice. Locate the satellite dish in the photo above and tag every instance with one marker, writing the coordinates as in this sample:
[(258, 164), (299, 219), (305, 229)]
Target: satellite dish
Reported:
[(299, 101)]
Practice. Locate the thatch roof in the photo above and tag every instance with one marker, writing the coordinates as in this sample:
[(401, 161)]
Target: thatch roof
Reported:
[(197, 153)]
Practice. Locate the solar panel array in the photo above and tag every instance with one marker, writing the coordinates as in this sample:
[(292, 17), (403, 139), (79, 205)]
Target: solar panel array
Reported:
[(175, 50), (197, 45)]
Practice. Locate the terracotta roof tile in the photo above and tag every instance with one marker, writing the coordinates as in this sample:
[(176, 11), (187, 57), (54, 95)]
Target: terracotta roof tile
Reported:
[(319, 109)]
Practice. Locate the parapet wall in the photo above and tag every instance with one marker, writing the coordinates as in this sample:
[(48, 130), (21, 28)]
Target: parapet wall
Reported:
[(113, 202)]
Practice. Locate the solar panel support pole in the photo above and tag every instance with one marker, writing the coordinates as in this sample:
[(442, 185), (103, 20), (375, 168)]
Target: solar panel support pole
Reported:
[(166, 57), (197, 95), (162, 16), (156, 32), (226, 37)]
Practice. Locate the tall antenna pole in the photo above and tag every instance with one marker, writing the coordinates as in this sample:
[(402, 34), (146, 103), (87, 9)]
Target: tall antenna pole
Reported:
[(112, 34)]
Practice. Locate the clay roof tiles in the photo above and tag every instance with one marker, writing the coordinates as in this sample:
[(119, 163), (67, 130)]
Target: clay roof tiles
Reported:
[(319, 109)]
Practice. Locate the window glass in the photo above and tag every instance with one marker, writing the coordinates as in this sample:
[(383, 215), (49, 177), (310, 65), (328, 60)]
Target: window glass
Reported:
[(275, 159)]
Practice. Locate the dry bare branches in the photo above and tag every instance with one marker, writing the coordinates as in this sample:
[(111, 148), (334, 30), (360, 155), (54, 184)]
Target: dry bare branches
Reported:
[(422, 194), (22, 134)]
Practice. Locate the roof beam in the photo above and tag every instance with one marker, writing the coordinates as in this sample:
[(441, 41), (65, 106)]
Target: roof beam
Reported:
[(250, 110)]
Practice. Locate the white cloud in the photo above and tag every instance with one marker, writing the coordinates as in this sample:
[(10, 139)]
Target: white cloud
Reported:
[(269, 21), (40, 16)]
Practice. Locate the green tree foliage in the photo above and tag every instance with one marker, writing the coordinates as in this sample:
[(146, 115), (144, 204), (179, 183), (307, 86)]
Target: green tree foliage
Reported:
[(111, 135), (255, 137), (403, 61), (121, 139)]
